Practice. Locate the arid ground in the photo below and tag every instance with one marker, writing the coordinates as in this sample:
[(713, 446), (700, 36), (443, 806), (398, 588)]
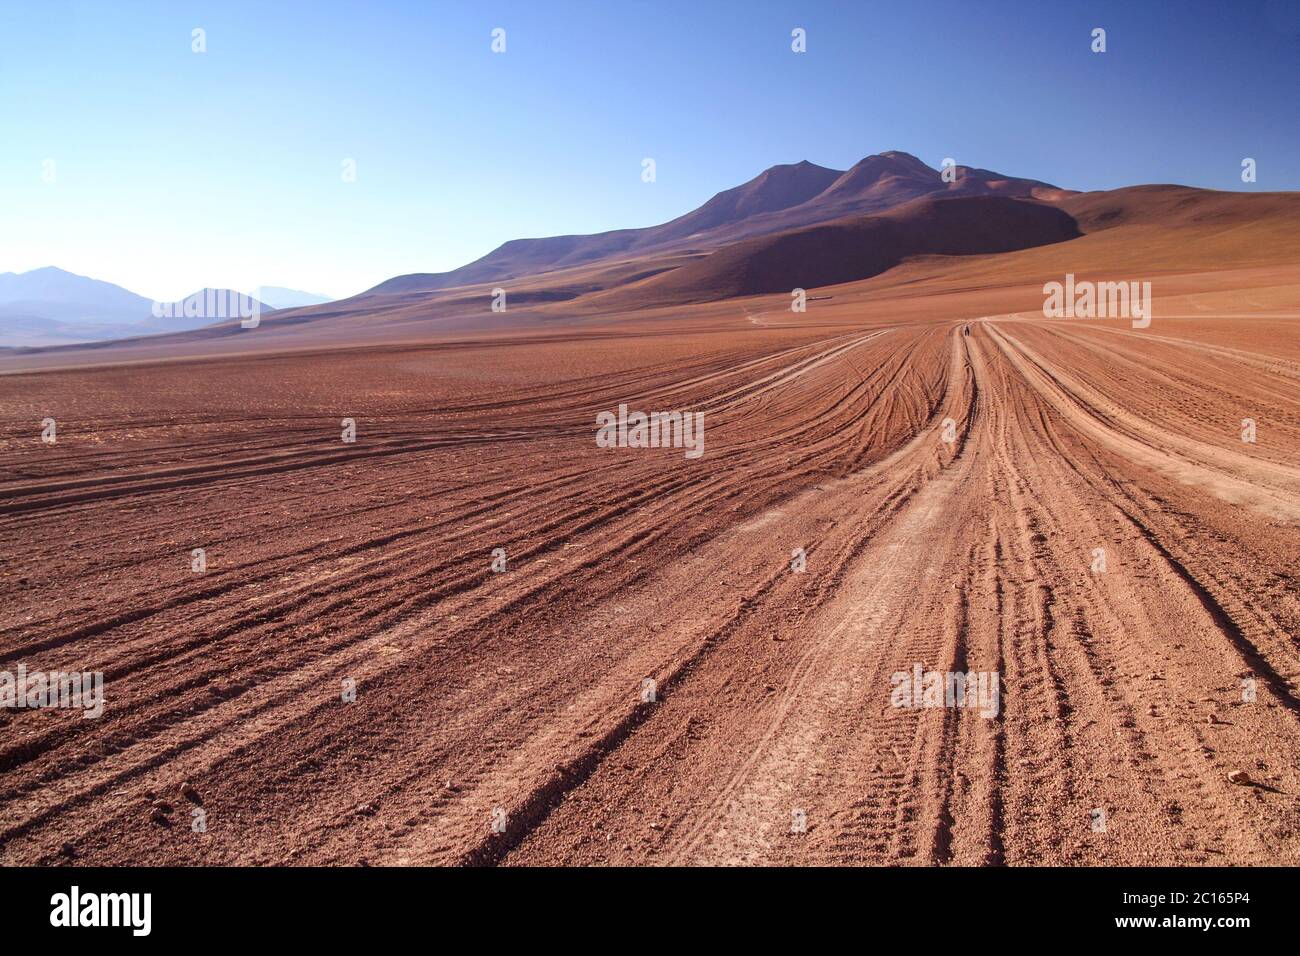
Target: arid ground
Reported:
[(1131, 686)]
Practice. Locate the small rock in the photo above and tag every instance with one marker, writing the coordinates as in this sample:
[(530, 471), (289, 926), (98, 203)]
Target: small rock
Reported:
[(367, 809), (1239, 776), (1213, 718), (188, 791), (157, 816), (67, 849), (451, 785), (162, 806)]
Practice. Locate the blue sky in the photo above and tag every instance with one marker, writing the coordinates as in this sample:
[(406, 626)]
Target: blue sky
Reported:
[(174, 170)]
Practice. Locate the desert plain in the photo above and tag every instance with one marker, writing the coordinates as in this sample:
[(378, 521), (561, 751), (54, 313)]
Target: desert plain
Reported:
[(561, 653)]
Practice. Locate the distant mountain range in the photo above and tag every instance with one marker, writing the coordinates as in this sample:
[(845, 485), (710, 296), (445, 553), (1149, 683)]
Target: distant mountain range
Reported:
[(279, 298), (51, 306)]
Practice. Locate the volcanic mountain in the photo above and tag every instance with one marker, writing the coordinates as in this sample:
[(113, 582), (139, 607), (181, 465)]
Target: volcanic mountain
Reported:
[(778, 199), (62, 296)]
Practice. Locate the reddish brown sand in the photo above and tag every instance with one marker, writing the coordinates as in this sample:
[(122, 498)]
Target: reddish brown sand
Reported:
[(1121, 691)]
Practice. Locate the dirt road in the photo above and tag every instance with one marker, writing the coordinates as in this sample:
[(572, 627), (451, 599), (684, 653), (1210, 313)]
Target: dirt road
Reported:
[(684, 661)]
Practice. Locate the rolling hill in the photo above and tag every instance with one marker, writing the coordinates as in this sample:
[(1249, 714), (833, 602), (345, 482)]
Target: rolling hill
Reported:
[(844, 250)]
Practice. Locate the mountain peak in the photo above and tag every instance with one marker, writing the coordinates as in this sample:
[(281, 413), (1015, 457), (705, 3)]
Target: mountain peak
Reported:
[(45, 271), (893, 160), (775, 188), (900, 154)]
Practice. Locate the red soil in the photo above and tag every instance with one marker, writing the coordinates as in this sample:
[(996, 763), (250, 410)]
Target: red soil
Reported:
[(1121, 691)]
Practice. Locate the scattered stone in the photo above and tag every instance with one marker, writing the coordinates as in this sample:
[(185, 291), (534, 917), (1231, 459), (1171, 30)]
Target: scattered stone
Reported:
[(1213, 718), (451, 785), (188, 791), (1240, 777), (158, 816), (67, 849), (367, 810), (162, 806)]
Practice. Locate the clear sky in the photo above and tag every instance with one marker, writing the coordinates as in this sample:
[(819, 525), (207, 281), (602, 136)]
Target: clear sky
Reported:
[(174, 170)]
